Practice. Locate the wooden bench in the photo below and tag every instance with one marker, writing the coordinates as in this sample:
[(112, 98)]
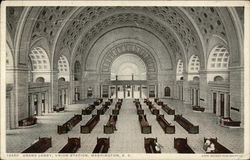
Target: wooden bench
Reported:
[(28, 121), (150, 145), (109, 102), (180, 144), (188, 126), (103, 109), (58, 108), (167, 109), (153, 109), (110, 127), (145, 127), (198, 108), (139, 108), (72, 146), (88, 110), (120, 100), (69, 124), (167, 127), (42, 145), (98, 102), (218, 147), (102, 145), (149, 103), (88, 127), (136, 100), (158, 101), (227, 121)]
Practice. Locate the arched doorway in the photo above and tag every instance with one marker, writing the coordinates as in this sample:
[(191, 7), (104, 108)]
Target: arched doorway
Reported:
[(128, 67)]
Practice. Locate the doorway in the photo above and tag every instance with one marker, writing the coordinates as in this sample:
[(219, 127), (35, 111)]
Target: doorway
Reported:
[(43, 102), (214, 102), (128, 91), (222, 104)]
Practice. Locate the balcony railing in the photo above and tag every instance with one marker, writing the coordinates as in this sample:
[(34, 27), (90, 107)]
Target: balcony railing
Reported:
[(128, 77)]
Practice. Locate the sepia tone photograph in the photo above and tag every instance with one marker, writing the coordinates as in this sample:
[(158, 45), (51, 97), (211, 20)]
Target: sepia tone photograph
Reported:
[(124, 80)]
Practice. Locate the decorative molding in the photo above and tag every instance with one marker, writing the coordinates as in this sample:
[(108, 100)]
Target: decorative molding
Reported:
[(128, 47)]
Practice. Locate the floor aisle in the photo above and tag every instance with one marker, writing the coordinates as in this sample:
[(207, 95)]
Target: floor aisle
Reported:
[(127, 138)]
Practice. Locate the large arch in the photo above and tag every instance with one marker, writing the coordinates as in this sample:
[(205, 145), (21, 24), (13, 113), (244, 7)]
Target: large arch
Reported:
[(123, 48), (128, 67)]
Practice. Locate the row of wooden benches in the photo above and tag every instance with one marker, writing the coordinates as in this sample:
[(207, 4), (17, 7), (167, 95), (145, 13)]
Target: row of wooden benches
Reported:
[(43, 144), (88, 127), (145, 127), (181, 145), (187, 125), (103, 144), (90, 108), (110, 127), (166, 126)]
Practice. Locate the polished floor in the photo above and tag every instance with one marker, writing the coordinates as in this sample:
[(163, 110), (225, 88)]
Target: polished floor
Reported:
[(128, 138)]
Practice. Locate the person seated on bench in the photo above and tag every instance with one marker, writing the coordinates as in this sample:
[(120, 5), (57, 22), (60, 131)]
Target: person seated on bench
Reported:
[(158, 146), (209, 146)]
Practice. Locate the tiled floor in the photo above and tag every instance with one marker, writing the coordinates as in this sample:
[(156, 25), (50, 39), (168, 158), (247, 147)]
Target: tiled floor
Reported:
[(128, 138)]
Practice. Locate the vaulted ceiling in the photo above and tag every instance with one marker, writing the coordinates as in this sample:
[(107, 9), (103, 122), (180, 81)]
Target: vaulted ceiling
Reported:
[(77, 28)]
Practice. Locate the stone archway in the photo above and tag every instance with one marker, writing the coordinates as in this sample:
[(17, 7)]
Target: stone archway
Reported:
[(133, 48)]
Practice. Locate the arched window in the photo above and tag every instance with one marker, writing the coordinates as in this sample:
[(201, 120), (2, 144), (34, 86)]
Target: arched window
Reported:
[(167, 92), (218, 58), (196, 78), (62, 79), (218, 78), (39, 59), (179, 69), (90, 92), (40, 64), (40, 80), (77, 71), (194, 64), (63, 67)]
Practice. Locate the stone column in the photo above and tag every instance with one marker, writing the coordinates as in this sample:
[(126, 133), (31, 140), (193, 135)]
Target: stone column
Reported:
[(39, 104), (124, 91), (132, 89), (62, 93), (46, 102), (20, 107), (140, 90), (186, 89), (218, 103), (71, 90), (226, 107), (237, 93), (101, 91), (53, 90), (116, 92), (9, 108), (203, 86)]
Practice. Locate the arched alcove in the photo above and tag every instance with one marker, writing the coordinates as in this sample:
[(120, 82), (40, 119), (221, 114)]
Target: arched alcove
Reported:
[(77, 71), (179, 70), (218, 79), (40, 63), (40, 80), (194, 64), (128, 65), (218, 61), (63, 68), (167, 92)]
